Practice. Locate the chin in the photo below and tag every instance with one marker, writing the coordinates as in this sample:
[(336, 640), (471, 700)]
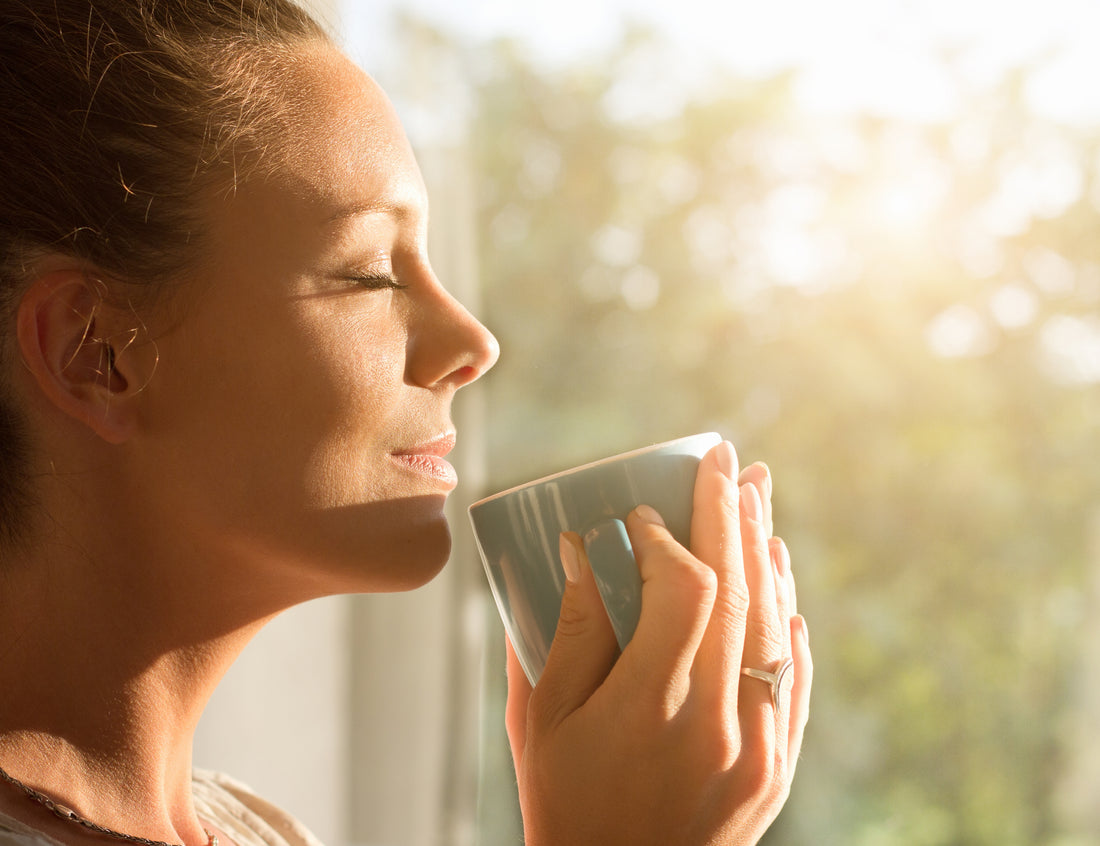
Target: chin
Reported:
[(397, 545), (422, 559), (379, 547)]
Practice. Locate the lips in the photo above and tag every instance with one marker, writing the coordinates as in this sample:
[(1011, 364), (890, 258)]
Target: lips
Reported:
[(427, 460)]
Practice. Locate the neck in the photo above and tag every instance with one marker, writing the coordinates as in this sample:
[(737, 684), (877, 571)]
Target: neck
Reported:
[(104, 673)]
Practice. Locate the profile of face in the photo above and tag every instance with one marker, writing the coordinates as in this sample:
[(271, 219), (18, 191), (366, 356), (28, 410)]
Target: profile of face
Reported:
[(301, 402)]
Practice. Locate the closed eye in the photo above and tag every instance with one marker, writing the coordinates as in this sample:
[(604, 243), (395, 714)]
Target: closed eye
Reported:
[(376, 282)]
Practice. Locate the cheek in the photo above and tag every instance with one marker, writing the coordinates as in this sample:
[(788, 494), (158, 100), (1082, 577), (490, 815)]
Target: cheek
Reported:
[(352, 394), (352, 379), (284, 410)]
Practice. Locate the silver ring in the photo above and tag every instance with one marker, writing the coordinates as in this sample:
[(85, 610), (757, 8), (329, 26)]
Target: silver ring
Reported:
[(774, 680)]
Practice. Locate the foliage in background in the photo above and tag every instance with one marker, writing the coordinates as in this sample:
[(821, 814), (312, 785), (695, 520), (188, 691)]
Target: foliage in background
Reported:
[(901, 319)]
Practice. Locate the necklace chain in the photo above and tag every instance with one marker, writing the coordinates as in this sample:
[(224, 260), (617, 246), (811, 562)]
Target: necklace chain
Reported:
[(66, 813)]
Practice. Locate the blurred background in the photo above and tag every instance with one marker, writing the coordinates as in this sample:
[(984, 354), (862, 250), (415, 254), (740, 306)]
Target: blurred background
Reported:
[(860, 239)]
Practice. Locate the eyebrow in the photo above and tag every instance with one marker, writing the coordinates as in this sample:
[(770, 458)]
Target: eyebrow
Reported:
[(400, 212)]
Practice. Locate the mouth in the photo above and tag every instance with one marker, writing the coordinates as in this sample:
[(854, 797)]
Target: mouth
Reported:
[(428, 460)]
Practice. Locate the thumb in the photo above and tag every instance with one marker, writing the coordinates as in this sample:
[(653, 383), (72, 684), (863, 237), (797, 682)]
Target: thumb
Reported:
[(584, 648), (515, 711)]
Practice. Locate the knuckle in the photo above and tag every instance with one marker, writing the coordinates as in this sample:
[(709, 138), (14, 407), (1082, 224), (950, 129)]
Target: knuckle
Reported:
[(694, 578), (766, 631), (573, 620), (658, 544), (720, 750), (679, 571), (544, 711), (781, 784), (761, 772), (736, 596)]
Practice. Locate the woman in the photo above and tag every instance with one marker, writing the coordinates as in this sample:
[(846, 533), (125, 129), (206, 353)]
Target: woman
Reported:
[(226, 372)]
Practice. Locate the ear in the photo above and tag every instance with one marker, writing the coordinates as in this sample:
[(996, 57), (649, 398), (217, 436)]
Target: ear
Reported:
[(77, 348)]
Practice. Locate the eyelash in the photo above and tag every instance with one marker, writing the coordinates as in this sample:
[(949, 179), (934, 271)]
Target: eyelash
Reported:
[(377, 282)]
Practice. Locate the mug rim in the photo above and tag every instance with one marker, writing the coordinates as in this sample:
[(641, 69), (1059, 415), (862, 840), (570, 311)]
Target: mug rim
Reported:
[(581, 467)]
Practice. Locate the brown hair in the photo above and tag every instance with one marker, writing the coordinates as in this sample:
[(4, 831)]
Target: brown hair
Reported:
[(114, 116)]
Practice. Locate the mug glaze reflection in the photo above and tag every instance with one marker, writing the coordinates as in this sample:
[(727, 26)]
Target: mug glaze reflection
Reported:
[(517, 534)]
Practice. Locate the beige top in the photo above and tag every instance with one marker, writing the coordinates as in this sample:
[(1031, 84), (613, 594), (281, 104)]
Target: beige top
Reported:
[(227, 804)]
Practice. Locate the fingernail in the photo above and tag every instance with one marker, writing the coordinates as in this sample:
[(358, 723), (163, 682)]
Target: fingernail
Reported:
[(782, 589), (781, 558), (649, 515), (803, 628), (727, 459), (750, 501), (570, 561)]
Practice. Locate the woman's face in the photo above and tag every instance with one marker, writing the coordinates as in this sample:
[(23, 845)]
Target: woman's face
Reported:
[(301, 406)]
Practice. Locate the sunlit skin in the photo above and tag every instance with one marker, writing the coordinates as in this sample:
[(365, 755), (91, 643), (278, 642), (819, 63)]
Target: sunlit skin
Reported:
[(304, 376), (270, 431)]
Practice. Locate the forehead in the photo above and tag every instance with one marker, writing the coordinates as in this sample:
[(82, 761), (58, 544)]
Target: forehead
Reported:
[(340, 143), (335, 152)]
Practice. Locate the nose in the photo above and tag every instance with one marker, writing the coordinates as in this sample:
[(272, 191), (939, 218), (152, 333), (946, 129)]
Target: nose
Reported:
[(446, 344)]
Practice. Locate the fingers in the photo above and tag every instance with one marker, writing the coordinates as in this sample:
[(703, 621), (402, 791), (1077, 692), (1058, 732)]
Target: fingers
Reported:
[(782, 559), (759, 475), (784, 584), (584, 646), (515, 711), (726, 604), (716, 540), (782, 579), (678, 594), (766, 633), (800, 691)]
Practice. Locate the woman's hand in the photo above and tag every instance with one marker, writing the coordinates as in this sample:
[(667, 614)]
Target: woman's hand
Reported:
[(669, 743)]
